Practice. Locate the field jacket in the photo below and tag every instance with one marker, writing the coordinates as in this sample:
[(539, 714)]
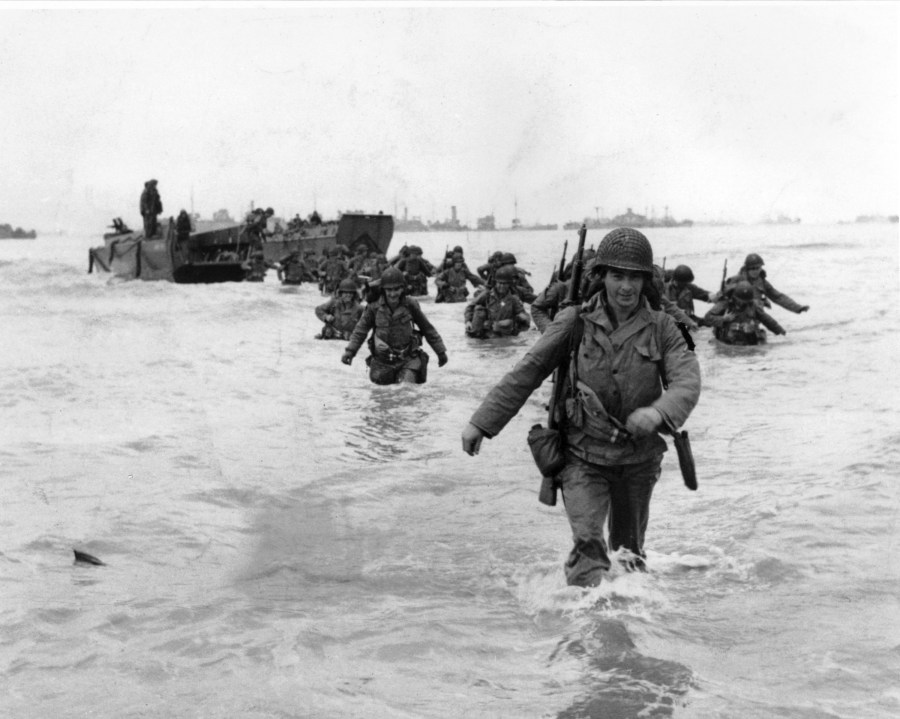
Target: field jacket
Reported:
[(620, 365), (395, 329)]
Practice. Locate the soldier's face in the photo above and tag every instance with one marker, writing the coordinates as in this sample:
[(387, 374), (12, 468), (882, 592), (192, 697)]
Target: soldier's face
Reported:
[(623, 290), (392, 294), (753, 272), (502, 288)]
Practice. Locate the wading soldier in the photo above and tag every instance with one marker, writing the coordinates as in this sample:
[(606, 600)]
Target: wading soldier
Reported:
[(451, 283), (613, 351), (681, 290), (736, 318), (753, 273), (341, 313), (498, 312), (395, 346)]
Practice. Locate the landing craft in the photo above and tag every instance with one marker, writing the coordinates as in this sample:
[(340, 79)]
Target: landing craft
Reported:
[(215, 251)]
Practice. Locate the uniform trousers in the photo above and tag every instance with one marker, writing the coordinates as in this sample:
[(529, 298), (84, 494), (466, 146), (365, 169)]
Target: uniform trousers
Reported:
[(593, 494)]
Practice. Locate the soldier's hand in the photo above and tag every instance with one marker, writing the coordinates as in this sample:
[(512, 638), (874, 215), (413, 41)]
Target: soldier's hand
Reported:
[(442, 359), (329, 318), (643, 421), (468, 326), (728, 317), (471, 439), (347, 358), (805, 308)]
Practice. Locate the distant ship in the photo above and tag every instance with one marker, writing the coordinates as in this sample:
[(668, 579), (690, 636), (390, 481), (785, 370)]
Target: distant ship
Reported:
[(8, 233), (628, 219)]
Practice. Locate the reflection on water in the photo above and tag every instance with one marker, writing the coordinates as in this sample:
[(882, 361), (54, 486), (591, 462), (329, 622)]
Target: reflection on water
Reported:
[(390, 425)]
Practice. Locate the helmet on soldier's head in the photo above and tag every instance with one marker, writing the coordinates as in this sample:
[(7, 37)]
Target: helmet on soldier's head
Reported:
[(625, 249), (753, 260), (507, 258), (270, 211), (458, 249), (743, 292), (347, 285), (392, 277), (683, 273), (495, 257), (507, 274)]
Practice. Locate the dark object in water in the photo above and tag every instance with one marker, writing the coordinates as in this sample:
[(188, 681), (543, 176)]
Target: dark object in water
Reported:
[(85, 558)]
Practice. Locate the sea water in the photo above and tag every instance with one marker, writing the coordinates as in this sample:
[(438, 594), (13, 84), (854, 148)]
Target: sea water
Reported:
[(282, 538)]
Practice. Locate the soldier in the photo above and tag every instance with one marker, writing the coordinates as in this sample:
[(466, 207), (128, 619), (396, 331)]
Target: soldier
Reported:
[(293, 270), (753, 273), (681, 290), (451, 283), (151, 206), (736, 318), (497, 312), (183, 226), (340, 313), (358, 260), (610, 422), (395, 344), (487, 270), (521, 287), (255, 226), (551, 300), (256, 266), (332, 270), (417, 270)]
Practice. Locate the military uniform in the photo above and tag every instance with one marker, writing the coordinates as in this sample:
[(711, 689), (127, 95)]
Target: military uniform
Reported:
[(490, 315), (345, 315), (395, 346), (743, 326), (451, 284), (612, 376), (151, 206), (763, 290)]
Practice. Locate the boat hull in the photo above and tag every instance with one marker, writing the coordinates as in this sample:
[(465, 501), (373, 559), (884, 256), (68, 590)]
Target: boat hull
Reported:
[(215, 251)]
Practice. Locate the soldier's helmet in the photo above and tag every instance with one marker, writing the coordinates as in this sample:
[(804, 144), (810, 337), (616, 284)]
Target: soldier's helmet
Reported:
[(347, 285), (270, 211), (458, 249), (507, 274), (392, 277), (507, 258), (496, 256), (743, 292), (625, 249), (753, 260), (683, 273)]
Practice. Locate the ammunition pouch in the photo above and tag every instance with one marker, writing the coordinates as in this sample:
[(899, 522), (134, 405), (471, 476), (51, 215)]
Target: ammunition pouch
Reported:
[(585, 411)]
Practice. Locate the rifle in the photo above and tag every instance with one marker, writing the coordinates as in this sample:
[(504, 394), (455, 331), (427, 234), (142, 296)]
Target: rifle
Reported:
[(724, 274), (557, 274), (547, 494)]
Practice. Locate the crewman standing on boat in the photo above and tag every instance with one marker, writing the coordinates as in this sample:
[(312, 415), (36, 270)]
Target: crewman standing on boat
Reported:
[(151, 207)]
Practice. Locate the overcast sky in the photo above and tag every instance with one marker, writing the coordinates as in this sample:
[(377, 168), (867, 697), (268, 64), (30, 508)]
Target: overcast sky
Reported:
[(737, 111)]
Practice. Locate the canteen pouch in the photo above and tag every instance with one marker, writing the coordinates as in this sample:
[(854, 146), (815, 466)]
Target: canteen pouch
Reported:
[(547, 449), (685, 458)]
